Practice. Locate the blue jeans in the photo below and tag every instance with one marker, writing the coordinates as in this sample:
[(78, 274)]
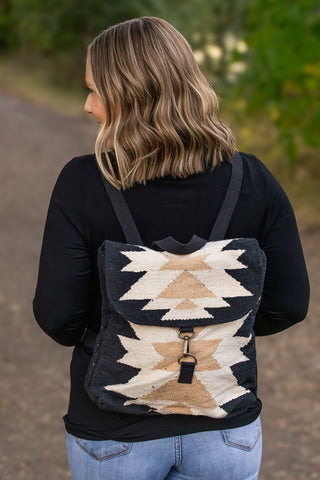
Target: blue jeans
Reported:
[(233, 454)]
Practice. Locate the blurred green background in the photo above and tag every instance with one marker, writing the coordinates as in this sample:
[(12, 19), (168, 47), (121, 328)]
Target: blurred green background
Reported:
[(261, 56)]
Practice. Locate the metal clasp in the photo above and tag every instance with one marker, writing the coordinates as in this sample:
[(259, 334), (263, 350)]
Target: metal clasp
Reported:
[(186, 352)]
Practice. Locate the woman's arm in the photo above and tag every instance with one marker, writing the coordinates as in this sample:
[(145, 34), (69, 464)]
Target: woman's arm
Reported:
[(61, 299), (285, 297)]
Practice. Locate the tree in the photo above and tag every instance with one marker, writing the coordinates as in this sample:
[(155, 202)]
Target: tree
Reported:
[(282, 77), (61, 29)]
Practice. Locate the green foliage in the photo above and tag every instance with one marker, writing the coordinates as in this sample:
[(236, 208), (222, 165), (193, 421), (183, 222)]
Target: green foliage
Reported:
[(206, 23), (59, 25), (62, 29), (282, 77), (7, 27)]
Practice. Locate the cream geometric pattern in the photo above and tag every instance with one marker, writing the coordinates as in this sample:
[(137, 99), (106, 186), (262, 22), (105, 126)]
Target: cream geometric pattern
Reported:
[(185, 285), (155, 353)]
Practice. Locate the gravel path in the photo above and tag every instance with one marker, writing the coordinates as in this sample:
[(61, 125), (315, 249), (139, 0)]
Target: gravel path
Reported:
[(35, 144)]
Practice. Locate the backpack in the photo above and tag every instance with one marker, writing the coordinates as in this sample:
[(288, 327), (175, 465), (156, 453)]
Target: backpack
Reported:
[(177, 319)]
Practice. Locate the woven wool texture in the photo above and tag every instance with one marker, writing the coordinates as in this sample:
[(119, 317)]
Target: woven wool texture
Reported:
[(148, 296), (174, 282), (155, 353)]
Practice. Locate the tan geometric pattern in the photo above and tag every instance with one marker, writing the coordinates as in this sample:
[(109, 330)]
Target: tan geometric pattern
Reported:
[(182, 394), (185, 285), (155, 351), (202, 349), (186, 305), (185, 262)]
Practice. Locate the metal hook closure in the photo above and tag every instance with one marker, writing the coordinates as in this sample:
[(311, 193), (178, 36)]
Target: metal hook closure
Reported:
[(186, 337), (187, 355), (186, 352)]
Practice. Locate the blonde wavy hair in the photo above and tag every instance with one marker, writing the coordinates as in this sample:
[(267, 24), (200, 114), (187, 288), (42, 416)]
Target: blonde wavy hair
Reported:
[(162, 115)]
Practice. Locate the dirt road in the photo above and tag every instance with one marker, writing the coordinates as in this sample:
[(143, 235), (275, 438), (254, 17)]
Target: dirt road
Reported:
[(35, 144)]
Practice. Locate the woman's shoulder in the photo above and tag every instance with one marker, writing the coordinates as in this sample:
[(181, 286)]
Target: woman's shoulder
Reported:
[(257, 172), (254, 164), (260, 180), (79, 166), (78, 170), (76, 178)]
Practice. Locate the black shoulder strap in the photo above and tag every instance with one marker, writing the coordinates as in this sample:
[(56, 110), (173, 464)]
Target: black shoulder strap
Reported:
[(221, 224), (123, 214)]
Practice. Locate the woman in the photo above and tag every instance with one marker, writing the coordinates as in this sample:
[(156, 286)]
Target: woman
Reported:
[(163, 144)]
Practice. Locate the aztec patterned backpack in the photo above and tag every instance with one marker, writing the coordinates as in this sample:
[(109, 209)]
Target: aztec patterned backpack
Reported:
[(177, 319)]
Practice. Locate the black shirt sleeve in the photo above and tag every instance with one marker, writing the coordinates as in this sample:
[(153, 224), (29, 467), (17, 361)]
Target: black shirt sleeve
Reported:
[(62, 294), (285, 297)]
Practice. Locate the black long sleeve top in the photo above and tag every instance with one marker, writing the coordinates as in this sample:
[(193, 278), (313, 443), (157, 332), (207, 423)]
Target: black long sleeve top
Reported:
[(80, 217)]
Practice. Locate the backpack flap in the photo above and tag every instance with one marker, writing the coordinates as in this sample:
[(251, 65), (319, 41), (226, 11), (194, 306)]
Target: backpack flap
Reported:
[(221, 281)]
